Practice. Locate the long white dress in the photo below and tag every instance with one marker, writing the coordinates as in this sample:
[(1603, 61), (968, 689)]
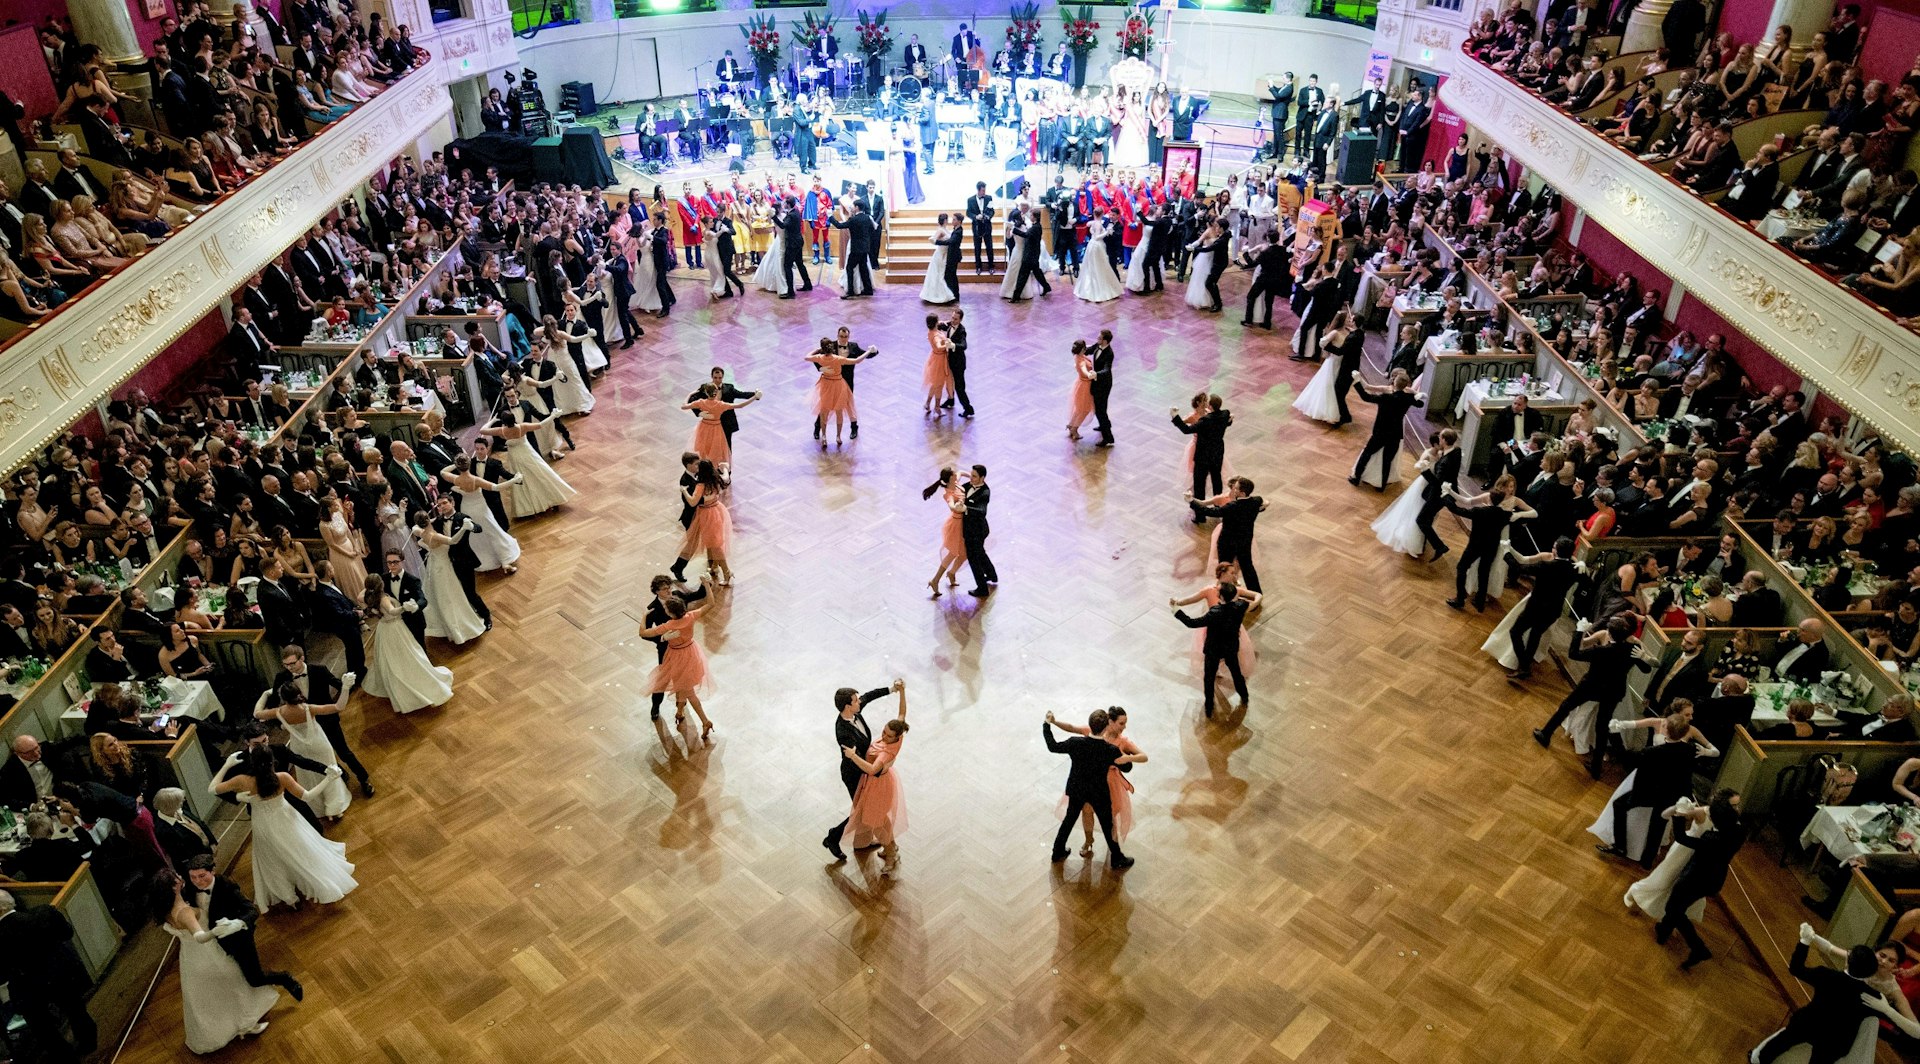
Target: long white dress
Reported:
[(570, 396), (1500, 641), (1316, 400), (646, 291), (326, 795), (541, 489), (1640, 820), (1197, 294), (1650, 894), (591, 354), (1137, 270), (215, 1000), (291, 861), (394, 536), (1097, 282), (491, 544), (401, 673), (1496, 576), (771, 277), (449, 615), (934, 289), (1395, 527), (1013, 267)]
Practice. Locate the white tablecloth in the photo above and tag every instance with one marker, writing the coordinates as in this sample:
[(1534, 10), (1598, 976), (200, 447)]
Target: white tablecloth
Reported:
[(1837, 827), (193, 699), (1775, 226), (1476, 394)]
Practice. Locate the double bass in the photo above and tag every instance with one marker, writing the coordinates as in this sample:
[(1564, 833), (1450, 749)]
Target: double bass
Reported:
[(977, 62)]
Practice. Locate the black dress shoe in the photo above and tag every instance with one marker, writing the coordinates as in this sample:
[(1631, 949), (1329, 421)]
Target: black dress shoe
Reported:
[(366, 786), (1120, 863), (789, 295), (808, 288), (1355, 481), (1610, 851), (1695, 957), (1457, 603), (1544, 738), (1059, 856), (833, 847), (978, 592)]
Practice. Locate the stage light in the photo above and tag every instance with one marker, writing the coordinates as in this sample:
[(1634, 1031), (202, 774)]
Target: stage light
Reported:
[(665, 5)]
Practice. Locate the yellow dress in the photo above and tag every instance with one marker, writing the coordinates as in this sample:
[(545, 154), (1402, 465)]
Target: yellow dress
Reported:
[(760, 229)]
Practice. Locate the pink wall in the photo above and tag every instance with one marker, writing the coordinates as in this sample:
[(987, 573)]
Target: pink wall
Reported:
[(1891, 42), (1442, 135), (23, 71), (168, 370), (1747, 20), (34, 12)]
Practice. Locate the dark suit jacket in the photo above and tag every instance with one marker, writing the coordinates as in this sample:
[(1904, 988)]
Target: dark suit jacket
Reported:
[(1210, 434), (1689, 683), (1443, 472), (1091, 757), (860, 234), (180, 842), (1809, 666), (1222, 624), (1236, 523), (281, 614), (16, 786), (856, 734), (36, 958), (1713, 852), (973, 524), (85, 184)]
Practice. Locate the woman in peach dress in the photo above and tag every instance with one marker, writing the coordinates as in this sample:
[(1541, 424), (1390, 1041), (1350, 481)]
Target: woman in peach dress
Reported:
[(683, 670), (1224, 572), (1120, 787), (938, 376), (832, 398), (711, 529), (709, 437), (953, 547), (1082, 390), (879, 812)]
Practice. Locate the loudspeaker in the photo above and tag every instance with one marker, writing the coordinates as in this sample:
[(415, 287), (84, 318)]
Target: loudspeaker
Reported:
[(1013, 188), (546, 160), (577, 96), (1357, 151)]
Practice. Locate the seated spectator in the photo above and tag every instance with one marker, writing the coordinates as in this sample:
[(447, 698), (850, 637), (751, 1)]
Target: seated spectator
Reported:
[(77, 243), (21, 298), (1798, 725), (1834, 242), (55, 266), (1895, 283), (53, 633), (1750, 193), (191, 175), (52, 853), (108, 661), (1715, 167), (113, 763)]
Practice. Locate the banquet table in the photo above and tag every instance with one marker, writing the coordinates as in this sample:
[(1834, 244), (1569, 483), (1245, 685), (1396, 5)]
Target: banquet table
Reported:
[(1781, 225), (1838, 829), (192, 699)]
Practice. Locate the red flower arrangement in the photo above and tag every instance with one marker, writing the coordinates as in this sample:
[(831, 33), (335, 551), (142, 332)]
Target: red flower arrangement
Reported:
[(763, 41), (1024, 35), (1136, 37), (876, 40), (1082, 31)]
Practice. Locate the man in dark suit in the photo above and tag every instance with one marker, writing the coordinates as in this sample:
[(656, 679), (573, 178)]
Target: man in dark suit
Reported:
[(1893, 724), (1218, 269), (405, 588), (1025, 227), (1209, 448), (793, 244), (663, 587), (729, 421), (412, 479), (1512, 428), (1706, 871), (1662, 776), (338, 616), (1610, 654), (1750, 194), (860, 241), (1087, 785), (1681, 674), (1221, 643), (494, 471), (281, 614), (37, 194), (980, 217), (1309, 100), (957, 351), (181, 831), (1237, 516), (974, 531), (104, 141), (1389, 426), (1726, 706), (75, 180), (1159, 226), (15, 638), (1758, 606), (1804, 656), (1553, 573), (1416, 118), (1272, 279), (1280, 99), (231, 917), (319, 686), (44, 976), (850, 730), (247, 343), (13, 215), (29, 774), (950, 239), (1102, 387), (1326, 129), (460, 528)]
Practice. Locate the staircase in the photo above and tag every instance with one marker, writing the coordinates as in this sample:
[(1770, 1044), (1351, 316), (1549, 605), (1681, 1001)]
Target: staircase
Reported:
[(908, 250)]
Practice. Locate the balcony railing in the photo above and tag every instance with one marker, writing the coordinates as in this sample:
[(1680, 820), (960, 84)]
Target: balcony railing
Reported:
[(67, 361), (1853, 350)]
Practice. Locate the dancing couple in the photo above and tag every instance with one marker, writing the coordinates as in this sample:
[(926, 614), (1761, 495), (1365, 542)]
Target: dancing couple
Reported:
[(879, 812)]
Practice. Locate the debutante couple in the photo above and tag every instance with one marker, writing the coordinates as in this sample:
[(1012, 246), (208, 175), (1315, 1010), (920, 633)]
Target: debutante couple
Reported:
[(942, 284), (1024, 240)]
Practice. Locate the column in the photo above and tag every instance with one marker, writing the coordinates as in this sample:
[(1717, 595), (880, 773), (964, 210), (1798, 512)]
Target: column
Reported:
[(107, 24), (1807, 17), (1643, 30)]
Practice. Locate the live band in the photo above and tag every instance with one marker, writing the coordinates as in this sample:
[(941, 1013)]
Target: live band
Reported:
[(952, 102)]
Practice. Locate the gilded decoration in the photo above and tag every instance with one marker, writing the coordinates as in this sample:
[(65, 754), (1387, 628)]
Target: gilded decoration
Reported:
[(135, 319), (216, 255), (11, 407), (1862, 360), (1696, 243), (59, 373), (1636, 207), (270, 216), (1433, 37), (1787, 311), (1904, 390)]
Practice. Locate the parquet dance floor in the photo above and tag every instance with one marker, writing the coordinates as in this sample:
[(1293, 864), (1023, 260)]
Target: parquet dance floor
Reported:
[(1375, 863)]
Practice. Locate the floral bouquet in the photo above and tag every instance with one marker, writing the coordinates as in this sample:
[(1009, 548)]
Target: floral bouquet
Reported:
[(876, 40), (763, 42), (1023, 37), (1136, 37), (1082, 31), (813, 29)]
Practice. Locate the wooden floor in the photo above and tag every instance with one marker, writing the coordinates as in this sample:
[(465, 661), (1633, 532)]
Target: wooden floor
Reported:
[(1374, 864)]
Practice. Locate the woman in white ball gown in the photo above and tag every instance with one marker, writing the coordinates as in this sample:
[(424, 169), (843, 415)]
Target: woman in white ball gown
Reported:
[(1197, 295), (1674, 728), (291, 861), (1097, 282), (537, 488), (400, 671), (944, 240), (1317, 400), (491, 543), (1396, 527), (646, 282), (770, 277), (327, 793), (1015, 249), (449, 615), (216, 1002), (1650, 895)]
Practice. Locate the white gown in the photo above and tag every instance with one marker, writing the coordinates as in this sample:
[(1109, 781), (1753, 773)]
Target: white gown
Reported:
[(216, 1001), (1137, 270), (548, 435), (1013, 267), (1197, 294), (491, 544), (1097, 282), (400, 671), (541, 489), (571, 396), (326, 795), (934, 289), (1316, 400), (1496, 576), (1500, 641), (1395, 527), (590, 352), (449, 615), (770, 277), (1650, 894), (291, 861), (646, 292)]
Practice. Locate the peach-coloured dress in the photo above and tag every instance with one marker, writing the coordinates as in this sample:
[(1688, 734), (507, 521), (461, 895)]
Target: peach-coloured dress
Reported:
[(711, 530), (1120, 792), (709, 438), (951, 541), (830, 393), (1082, 392), (879, 812), (938, 376), (684, 669), (1212, 598)]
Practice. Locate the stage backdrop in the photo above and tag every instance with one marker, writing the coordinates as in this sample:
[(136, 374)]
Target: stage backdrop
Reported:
[(1219, 51)]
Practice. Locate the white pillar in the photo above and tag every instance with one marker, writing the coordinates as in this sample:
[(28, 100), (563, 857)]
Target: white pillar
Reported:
[(1807, 17), (1643, 30), (107, 24)]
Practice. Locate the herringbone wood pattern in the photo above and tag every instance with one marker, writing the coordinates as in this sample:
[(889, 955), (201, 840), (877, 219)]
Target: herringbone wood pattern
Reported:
[(1374, 864)]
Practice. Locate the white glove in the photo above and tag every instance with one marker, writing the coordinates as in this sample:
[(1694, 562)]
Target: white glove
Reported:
[(1877, 1003), (346, 682), (1617, 726), (203, 936), (410, 607), (1806, 934), (333, 772), (1583, 626), (227, 926)]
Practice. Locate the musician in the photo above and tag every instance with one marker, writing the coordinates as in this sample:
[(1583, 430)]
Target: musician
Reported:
[(929, 133), (689, 129), (822, 55), (1309, 98), (916, 54), (964, 43), (727, 69), (653, 145), (805, 142), (1060, 64)]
